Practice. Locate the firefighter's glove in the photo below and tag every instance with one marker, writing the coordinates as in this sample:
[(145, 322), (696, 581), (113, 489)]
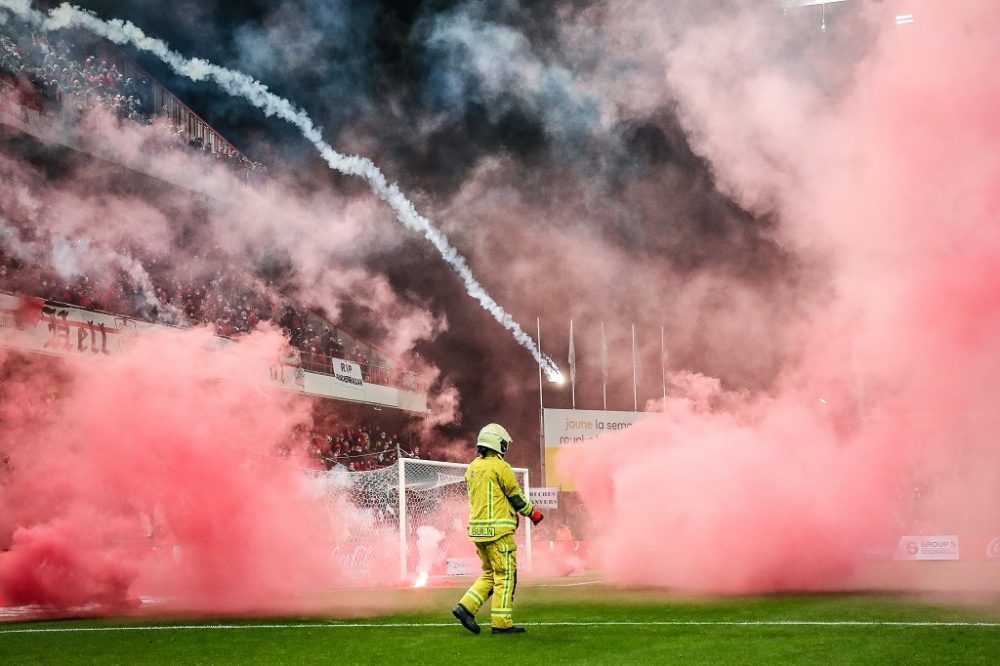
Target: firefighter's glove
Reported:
[(536, 516)]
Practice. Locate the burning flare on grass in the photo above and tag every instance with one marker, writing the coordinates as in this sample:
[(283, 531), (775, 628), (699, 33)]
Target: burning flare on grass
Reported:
[(428, 548)]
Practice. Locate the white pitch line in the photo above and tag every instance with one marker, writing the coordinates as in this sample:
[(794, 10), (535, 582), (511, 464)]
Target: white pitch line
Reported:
[(407, 625), (767, 623), (586, 582)]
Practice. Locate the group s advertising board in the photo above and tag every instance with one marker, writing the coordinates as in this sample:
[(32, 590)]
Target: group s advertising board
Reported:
[(573, 427), (928, 547)]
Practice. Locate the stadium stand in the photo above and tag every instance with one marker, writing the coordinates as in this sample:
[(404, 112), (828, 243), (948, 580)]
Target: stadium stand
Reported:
[(52, 77), (55, 78), (62, 82)]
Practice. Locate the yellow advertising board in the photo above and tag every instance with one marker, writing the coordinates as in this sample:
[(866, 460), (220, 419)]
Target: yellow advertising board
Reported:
[(574, 427)]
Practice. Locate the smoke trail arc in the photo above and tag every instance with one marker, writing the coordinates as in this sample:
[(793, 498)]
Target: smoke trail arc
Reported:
[(238, 84)]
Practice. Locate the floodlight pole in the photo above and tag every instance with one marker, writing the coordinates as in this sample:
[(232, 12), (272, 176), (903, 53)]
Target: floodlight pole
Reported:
[(604, 367), (541, 407), (635, 371), (663, 365)]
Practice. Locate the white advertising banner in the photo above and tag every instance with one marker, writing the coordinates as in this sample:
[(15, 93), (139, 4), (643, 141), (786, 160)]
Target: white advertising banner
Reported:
[(33, 324), (36, 325), (544, 498), (937, 547), (347, 373), (572, 426)]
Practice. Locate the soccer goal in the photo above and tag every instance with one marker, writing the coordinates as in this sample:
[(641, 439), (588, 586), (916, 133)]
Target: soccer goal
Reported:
[(427, 520)]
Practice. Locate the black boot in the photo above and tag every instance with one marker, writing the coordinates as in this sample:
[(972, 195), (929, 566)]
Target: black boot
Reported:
[(516, 629), (467, 619)]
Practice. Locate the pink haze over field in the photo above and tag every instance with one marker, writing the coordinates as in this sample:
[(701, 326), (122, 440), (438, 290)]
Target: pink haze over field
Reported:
[(889, 420), (892, 183), (175, 442)]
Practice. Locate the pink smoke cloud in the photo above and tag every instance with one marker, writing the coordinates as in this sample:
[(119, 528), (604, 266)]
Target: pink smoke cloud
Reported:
[(166, 471), (195, 221), (894, 187), (760, 499)]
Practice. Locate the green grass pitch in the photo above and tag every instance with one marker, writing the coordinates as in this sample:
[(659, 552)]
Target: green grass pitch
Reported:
[(576, 624)]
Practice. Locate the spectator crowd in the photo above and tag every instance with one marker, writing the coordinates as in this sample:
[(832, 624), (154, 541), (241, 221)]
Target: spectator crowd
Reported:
[(359, 448), (48, 75), (231, 306)]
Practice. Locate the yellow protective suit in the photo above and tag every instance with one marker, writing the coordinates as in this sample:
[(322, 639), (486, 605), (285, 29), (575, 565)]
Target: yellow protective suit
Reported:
[(495, 499)]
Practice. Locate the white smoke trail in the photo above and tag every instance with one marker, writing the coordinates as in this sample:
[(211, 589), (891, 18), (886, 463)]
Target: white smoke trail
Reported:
[(166, 312), (428, 549), (12, 242), (239, 84), (64, 258)]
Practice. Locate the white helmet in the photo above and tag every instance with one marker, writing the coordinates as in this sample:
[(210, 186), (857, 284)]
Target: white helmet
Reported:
[(495, 438)]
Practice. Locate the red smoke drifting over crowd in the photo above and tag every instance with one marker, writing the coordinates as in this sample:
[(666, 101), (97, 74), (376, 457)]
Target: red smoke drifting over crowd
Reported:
[(888, 422), (888, 182), (175, 442)]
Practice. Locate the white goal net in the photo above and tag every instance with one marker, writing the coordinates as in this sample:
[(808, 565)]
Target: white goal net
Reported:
[(422, 531)]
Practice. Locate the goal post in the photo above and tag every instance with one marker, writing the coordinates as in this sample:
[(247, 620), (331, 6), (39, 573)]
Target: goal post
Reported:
[(405, 518), (435, 482)]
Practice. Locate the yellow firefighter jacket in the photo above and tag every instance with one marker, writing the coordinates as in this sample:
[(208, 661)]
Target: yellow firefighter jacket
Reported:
[(494, 496)]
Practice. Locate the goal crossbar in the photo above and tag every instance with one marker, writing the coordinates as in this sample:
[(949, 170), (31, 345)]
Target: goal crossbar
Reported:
[(408, 466)]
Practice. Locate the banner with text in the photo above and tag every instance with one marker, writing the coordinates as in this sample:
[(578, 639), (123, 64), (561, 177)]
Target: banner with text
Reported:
[(347, 373), (33, 324), (544, 498), (572, 427)]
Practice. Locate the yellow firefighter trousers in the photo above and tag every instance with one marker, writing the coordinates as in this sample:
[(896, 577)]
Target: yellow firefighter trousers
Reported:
[(499, 578)]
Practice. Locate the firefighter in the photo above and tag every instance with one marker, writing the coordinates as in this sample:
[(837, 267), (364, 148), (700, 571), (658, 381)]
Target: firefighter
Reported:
[(495, 499)]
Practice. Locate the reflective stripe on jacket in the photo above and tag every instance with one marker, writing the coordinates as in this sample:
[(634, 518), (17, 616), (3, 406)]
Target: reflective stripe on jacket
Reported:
[(494, 497)]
